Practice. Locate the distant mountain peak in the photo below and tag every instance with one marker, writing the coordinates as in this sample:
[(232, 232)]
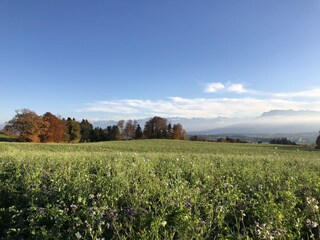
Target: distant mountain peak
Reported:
[(290, 112)]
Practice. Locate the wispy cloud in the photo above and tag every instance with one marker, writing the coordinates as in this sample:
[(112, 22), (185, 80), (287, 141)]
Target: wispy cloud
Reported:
[(311, 93), (229, 87), (252, 103), (240, 88), (197, 107)]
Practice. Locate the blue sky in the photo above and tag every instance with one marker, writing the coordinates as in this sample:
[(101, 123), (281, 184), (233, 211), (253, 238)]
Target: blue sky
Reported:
[(132, 59)]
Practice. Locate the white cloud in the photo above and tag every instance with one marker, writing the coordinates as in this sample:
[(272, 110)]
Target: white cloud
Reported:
[(311, 93), (240, 88), (237, 88), (229, 87), (196, 107), (213, 87), (253, 103)]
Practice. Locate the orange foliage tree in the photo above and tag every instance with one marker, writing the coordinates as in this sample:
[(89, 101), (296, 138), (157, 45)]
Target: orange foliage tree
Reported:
[(27, 126), (55, 131)]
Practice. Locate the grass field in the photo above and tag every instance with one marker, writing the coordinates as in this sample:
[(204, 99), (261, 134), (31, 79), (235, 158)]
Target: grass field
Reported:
[(158, 189), (5, 138)]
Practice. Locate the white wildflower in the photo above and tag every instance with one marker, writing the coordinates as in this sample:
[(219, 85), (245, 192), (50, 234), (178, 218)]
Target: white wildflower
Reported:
[(314, 224), (78, 235)]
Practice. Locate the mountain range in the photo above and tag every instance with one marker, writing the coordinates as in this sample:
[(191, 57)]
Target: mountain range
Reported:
[(274, 121), (301, 126)]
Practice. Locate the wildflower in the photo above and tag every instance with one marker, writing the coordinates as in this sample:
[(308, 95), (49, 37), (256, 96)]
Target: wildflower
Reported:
[(73, 208), (220, 208), (258, 232), (163, 223), (308, 222), (78, 235), (279, 232), (313, 203), (91, 196), (314, 224), (41, 210)]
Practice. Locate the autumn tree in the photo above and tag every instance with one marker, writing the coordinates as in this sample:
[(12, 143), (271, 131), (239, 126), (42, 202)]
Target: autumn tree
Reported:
[(55, 131), (27, 126), (86, 131), (184, 135), (177, 131), (120, 126), (73, 133), (129, 130), (156, 127)]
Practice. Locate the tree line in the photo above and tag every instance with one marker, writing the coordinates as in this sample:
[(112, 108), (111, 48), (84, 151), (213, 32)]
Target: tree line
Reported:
[(27, 126), (283, 141)]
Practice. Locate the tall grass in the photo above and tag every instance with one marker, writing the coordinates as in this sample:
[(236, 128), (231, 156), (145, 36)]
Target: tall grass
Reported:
[(158, 189)]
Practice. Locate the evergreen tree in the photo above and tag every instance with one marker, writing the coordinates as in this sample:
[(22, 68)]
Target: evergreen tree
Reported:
[(86, 131), (96, 135), (113, 133), (138, 132), (116, 134), (169, 131)]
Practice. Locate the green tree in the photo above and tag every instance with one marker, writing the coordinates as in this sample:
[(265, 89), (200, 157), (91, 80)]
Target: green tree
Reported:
[(113, 133), (169, 131), (138, 132), (86, 130), (99, 134), (73, 131)]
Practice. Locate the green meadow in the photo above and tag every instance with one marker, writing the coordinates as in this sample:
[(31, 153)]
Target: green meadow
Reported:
[(158, 189), (4, 137)]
